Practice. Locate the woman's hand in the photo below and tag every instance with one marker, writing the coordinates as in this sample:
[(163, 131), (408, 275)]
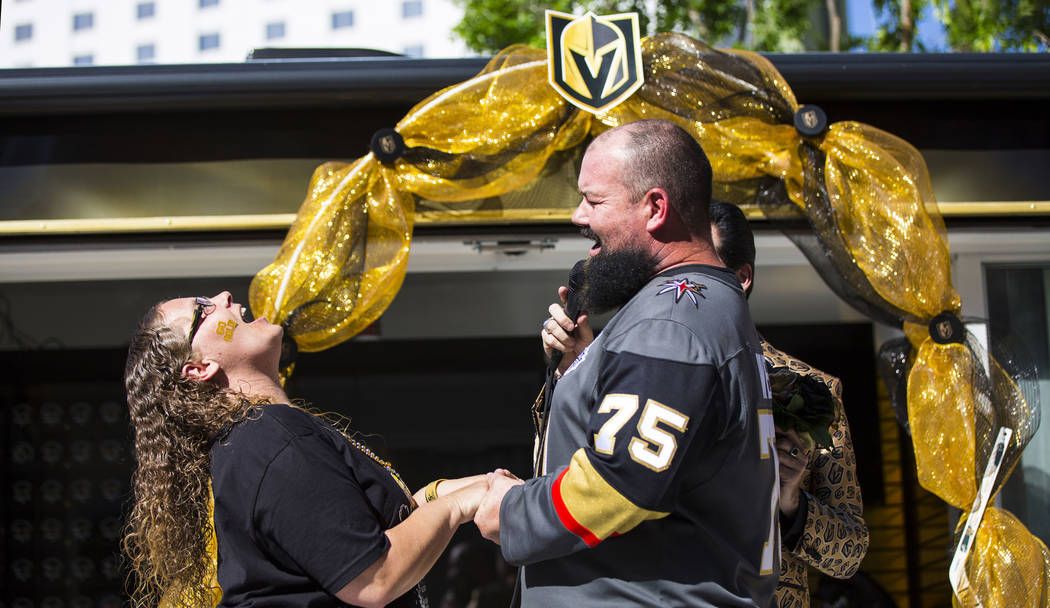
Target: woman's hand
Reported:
[(462, 491), (417, 542), (555, 333), (467, 498)]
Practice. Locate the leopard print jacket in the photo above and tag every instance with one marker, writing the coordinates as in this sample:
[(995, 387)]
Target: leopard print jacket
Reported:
[(835, 537)]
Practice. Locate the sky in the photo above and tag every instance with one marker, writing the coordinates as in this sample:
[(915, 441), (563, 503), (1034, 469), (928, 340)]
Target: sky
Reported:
[(860, 15)]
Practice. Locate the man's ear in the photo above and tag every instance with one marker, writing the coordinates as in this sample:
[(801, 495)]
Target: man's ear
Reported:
[(745, 274), (659, 209), (200, 371)]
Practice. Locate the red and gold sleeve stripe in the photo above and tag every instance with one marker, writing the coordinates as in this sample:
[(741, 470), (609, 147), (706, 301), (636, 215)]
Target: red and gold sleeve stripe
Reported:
[(591, 508)]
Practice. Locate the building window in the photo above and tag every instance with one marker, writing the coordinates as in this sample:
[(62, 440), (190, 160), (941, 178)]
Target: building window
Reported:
[(145, 10), (411, 8), (1018, 297), (145, 53), (207, 3), (275, 30), (342, 19), (415, 50), (83, 21), (209, 41), (23, 32), (84, 60)]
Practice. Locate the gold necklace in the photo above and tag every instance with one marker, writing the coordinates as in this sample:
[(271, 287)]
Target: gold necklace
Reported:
[(386, 465), (341, 425)]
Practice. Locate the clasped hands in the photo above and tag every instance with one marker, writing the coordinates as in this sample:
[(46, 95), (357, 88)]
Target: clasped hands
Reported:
[(477, 497), (486, 517)]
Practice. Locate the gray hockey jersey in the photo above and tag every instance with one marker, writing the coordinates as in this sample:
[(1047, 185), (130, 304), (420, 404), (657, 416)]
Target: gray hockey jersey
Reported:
[(659, 481)]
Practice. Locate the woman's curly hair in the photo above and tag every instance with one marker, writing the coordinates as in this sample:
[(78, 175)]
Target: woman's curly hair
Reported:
[(174, 420)]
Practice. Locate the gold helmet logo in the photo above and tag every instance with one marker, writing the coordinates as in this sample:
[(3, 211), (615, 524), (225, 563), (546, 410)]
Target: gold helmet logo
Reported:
[(594, 62)]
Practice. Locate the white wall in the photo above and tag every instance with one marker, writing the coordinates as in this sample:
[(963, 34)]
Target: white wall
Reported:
[(177, 25)]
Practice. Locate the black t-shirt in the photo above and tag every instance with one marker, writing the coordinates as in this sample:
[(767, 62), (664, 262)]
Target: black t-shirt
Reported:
[(299, 511)]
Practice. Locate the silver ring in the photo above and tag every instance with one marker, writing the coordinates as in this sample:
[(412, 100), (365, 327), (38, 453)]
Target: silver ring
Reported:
[(794, 452), (543, 326)]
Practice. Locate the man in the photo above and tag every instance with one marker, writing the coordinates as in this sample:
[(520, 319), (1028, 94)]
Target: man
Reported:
[(821, 512), (657, 481)]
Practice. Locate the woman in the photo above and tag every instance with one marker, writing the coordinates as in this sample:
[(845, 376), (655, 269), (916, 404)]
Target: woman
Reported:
[(303, 514)]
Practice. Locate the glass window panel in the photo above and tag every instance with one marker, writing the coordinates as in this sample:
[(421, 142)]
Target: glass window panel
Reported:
[(342, 19), (83, 21), (1018, 298), (274, 30), (411, 8), (23, 32), (209, 41), (145, 53)]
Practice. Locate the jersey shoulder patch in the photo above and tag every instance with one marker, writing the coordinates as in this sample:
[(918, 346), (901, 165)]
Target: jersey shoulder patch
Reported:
[(683, 287)]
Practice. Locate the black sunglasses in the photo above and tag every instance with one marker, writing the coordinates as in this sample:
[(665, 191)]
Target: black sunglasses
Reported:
[(201, 308)]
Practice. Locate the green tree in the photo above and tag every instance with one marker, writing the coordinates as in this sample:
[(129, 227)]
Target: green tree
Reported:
[(897, 30), (969, 25), (996, 25), (491, 25), (763, 25)]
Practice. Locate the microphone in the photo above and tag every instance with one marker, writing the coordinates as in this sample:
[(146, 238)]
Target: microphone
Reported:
[(573, 303)]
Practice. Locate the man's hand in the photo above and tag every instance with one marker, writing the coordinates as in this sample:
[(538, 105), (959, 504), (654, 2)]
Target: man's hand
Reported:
[(487, 515), (555, 333), (793, 461)]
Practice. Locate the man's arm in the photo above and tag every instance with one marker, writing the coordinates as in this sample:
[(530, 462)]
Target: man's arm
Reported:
[(642, 430)]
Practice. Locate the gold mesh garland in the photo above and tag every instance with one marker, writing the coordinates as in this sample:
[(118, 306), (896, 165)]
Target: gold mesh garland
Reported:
[(343, 259), (1008, 566), (490, 135), (943, 436), (882, 203), (879, 241), (955, 409)]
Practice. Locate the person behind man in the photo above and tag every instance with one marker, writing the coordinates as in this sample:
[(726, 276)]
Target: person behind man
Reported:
[(821, 512), (657, 481)]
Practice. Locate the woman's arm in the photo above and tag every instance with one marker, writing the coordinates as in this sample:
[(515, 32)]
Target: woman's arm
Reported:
[(415, 545), (443, 487)]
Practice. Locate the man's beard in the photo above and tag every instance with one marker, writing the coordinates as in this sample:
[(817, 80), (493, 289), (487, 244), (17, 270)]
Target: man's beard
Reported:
[(613, 277)]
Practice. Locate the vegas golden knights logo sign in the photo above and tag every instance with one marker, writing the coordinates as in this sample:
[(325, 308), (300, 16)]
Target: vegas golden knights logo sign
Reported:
[(594, 62)]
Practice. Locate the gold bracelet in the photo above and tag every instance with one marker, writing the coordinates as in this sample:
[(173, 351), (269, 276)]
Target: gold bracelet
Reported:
[(431, 492)]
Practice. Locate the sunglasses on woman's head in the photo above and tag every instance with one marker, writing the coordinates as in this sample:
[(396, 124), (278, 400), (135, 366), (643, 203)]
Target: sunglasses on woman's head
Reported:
[(201, 308)]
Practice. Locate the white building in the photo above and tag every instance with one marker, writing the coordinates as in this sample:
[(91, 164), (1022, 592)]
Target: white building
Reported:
[(54, 33)]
